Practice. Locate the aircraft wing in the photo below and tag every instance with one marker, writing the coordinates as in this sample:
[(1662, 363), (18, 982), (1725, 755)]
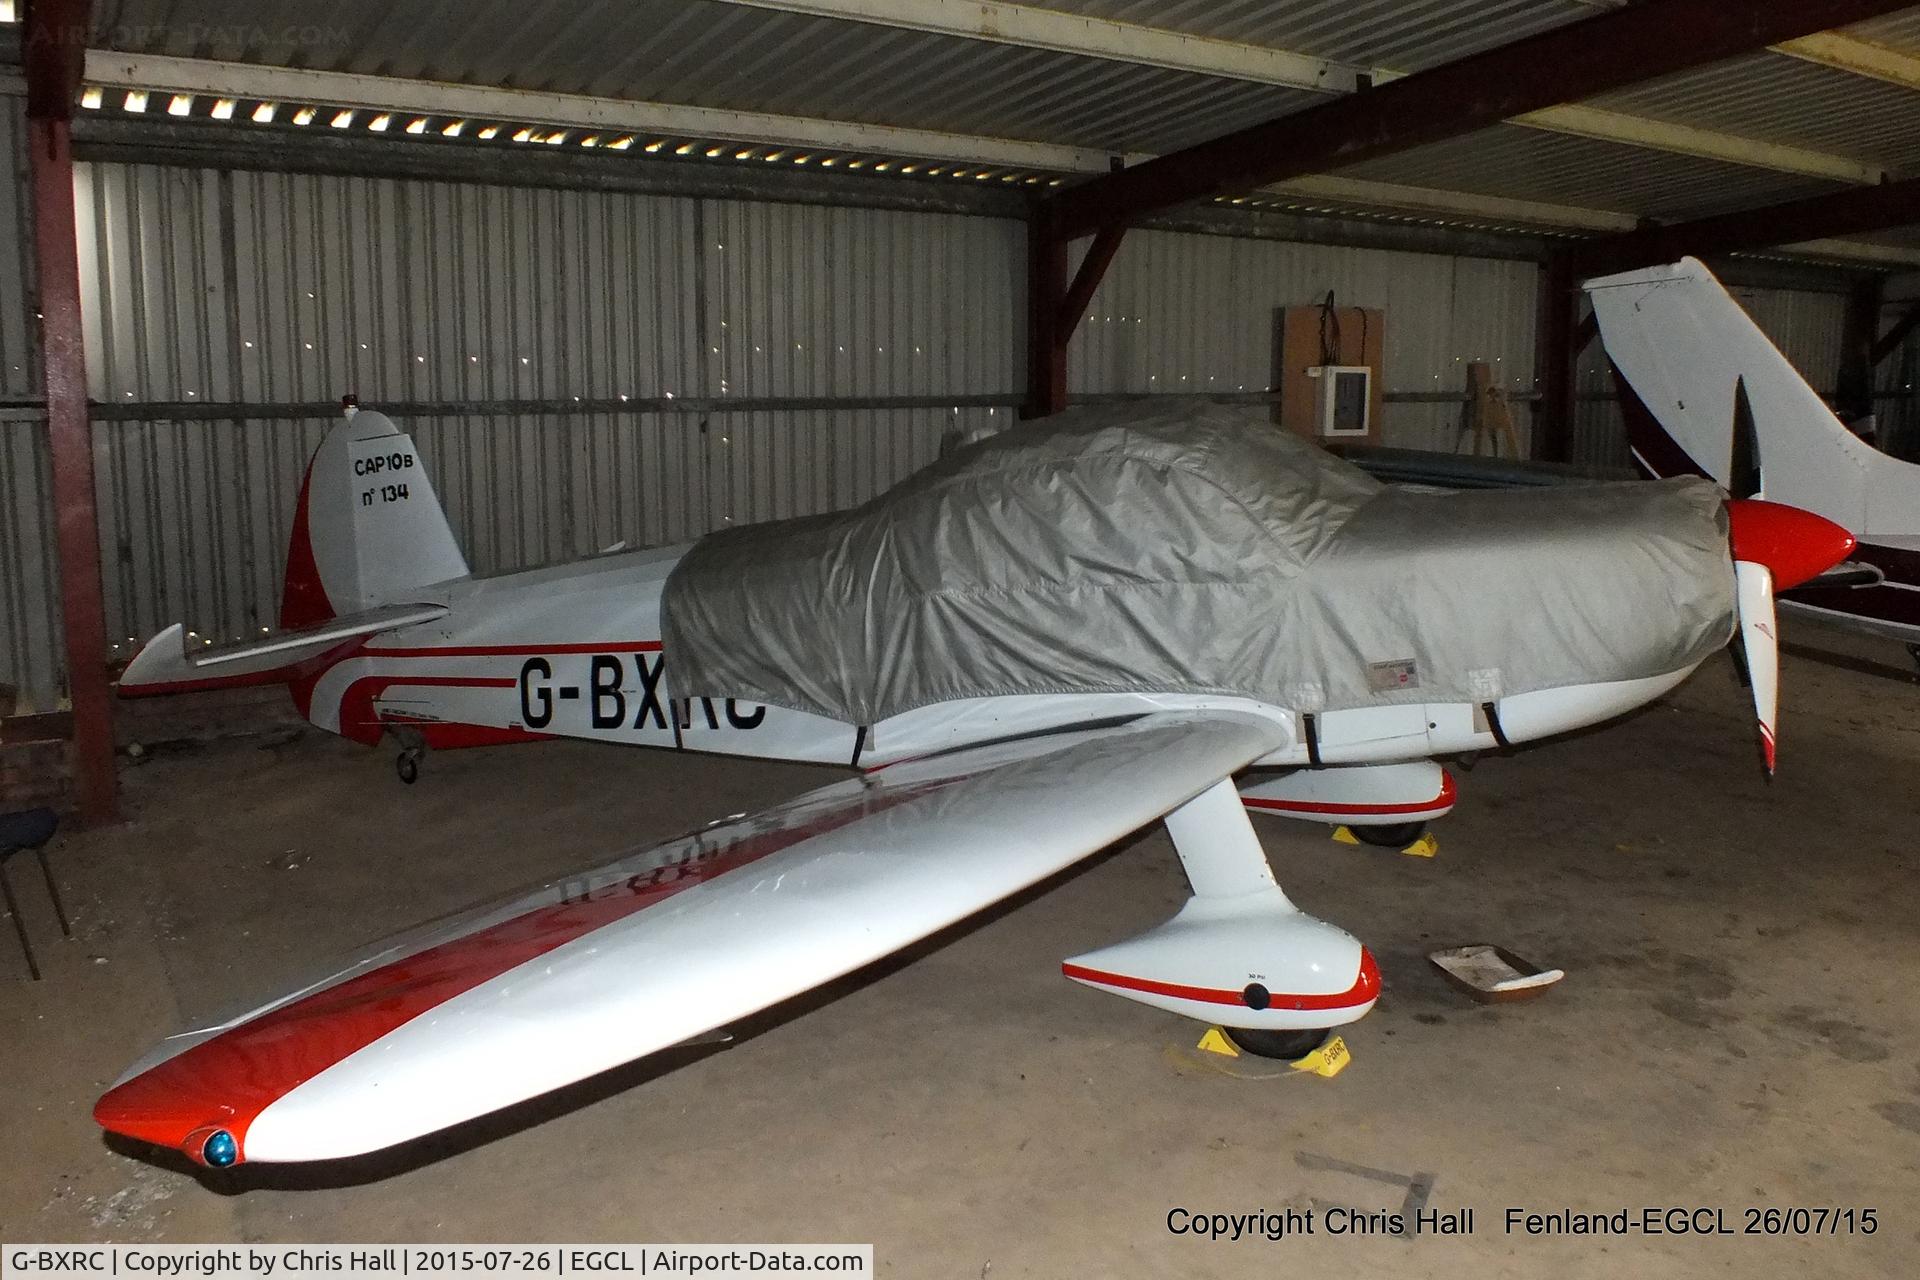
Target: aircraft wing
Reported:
[(509, 1001)]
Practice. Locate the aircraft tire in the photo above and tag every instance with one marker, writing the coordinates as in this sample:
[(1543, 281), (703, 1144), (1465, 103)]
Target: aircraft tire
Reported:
[(1288, 1046), (1397, 836)]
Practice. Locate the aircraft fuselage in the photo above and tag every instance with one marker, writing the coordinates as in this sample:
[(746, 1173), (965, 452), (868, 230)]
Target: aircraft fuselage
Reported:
[(574, 651)]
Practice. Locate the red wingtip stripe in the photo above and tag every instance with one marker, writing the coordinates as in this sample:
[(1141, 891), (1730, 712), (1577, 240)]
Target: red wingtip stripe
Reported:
[(227, 1080)]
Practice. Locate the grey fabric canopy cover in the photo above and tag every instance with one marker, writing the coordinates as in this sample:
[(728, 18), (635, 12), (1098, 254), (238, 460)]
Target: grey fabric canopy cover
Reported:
[(1196, 549)]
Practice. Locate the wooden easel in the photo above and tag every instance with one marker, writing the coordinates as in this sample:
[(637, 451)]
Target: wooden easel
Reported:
[(1486, 415)]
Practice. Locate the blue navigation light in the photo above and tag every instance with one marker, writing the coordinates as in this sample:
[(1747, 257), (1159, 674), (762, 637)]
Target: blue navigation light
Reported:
[(220, 1150)]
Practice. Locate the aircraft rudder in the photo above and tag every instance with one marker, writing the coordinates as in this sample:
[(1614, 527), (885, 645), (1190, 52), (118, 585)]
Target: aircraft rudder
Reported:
[(368, 528)]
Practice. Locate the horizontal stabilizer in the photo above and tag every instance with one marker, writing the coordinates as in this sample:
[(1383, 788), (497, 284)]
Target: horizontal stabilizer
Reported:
[(1851, 574), (169, 663)]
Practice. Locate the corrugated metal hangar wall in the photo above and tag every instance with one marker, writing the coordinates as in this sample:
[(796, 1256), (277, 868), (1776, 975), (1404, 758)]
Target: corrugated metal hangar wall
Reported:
[(275, 289), (29, 582), (587, 367)]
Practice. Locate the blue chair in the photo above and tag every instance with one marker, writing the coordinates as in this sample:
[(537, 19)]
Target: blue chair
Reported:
[(19, 832)]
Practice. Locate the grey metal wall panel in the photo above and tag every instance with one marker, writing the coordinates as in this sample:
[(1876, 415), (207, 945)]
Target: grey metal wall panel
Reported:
[(30, 644), (1807, 327), (435, 291), (30, 638), (1197, 314), (19, 332), (194, 514), (263, 288), (1894, 405)]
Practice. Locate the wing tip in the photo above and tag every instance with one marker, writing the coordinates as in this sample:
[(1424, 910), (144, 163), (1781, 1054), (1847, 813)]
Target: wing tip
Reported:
[(147, 1112)]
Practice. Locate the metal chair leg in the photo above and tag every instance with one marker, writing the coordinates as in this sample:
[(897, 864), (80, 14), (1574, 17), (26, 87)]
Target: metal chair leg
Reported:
[(53, 891), (19, 925)]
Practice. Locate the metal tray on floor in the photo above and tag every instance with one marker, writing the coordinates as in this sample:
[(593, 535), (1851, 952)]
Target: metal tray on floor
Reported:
[(1492, 974)]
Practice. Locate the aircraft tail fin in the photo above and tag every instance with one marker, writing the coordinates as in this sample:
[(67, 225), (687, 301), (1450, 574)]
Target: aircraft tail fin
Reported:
[(369, 530), (369, 549), (1705, 392)]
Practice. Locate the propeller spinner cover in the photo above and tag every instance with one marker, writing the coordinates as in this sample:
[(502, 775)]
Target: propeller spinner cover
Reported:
[(1794, 545)]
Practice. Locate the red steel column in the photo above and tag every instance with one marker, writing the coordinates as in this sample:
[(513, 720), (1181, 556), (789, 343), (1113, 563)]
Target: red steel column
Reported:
[(1046, 344), (1553, 361), (69, 434)]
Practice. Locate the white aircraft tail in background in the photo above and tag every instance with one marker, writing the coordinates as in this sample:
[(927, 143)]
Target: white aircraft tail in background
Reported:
[(370, 550), (1706, 393), (369, 530)]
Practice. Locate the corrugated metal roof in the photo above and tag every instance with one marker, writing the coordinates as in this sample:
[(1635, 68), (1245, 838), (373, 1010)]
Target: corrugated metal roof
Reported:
[(1782, 99), (709, 54), (1404, 35), (1893, 238), (1897, 30), (706, 54), (1560, 169), (615, 46)]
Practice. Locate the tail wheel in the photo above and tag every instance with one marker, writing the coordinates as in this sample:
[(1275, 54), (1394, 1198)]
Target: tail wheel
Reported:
[(407, 764), (1289, 1046), (1396, 836)]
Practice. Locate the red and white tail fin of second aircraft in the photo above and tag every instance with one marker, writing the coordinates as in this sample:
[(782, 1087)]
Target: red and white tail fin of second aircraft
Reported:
[(370, 550), (1685, 349), (1705, 392)]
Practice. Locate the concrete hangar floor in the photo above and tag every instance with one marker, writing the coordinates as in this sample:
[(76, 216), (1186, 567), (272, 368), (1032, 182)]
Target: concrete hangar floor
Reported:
[(1737, 1029)]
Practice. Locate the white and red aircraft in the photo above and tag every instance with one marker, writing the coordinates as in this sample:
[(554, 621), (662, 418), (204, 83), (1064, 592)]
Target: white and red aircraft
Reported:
[(1691, 361), (958, 804)]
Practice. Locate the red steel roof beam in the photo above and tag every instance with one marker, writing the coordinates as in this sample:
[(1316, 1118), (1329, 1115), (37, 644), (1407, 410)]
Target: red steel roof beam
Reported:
[(1579, 60), (1842, 213)]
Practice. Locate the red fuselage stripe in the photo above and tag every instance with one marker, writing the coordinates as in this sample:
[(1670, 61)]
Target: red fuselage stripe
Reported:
[(361, 723), (1335, 810), (294, 672), (275, 675), (1365, 989), (1442, 801)]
